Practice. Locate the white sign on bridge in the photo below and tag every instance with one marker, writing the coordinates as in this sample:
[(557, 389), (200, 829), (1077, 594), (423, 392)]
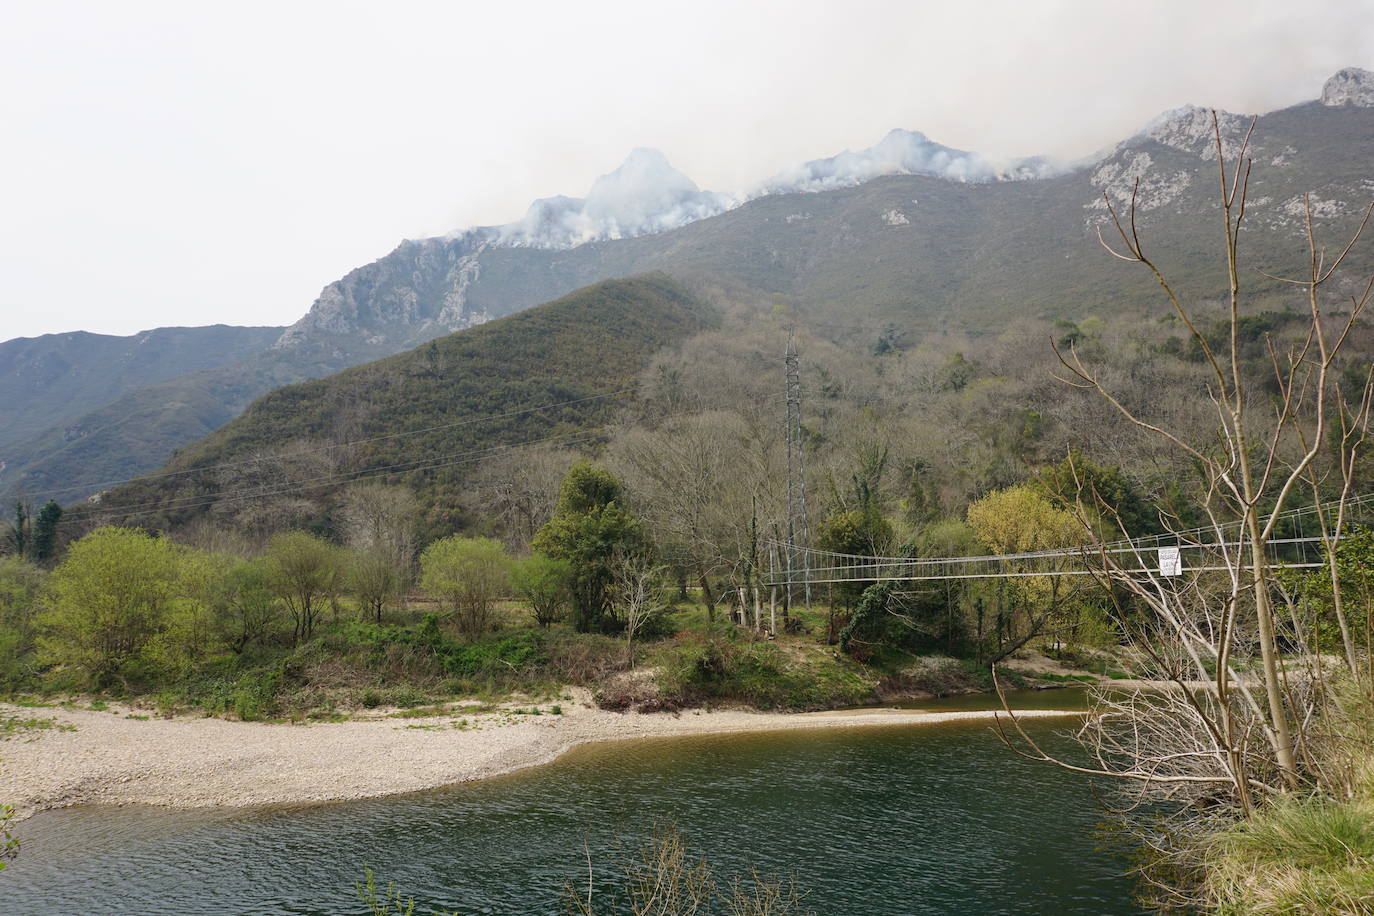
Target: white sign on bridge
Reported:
[(1170, 561)]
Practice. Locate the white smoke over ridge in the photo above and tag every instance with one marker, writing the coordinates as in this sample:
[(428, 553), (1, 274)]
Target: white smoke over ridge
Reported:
[(646, 195), (904, 152)]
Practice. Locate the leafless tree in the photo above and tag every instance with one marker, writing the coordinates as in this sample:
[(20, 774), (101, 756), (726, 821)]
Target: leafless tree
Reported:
[(1211, 737), (637, 595), (520, 490)]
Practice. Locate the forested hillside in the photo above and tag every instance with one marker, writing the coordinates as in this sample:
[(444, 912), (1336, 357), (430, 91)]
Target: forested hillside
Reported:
[(425, 418)]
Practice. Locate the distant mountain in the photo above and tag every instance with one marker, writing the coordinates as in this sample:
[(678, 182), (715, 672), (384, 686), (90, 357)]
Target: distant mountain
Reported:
[(886, 233), (54, 378), (908, 232), (906, 152)]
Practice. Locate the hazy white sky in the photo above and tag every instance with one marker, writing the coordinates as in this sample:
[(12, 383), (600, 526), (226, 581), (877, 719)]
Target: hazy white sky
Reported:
[(173, 163)]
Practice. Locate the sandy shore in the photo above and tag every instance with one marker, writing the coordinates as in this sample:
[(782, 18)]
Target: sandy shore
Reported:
[(110, 758)]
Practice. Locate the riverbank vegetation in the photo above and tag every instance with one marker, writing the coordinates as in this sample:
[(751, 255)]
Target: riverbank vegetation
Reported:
[(281, 636)]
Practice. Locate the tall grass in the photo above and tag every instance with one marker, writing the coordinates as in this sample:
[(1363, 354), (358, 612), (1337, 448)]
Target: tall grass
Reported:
[(1297, 856)]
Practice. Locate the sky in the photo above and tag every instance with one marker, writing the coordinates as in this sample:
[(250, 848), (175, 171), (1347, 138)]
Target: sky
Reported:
[(173, 163)]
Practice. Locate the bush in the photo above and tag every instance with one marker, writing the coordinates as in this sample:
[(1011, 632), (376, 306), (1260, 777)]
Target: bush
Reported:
[(107, 599), (546, 586), (469, 575), (759, 675)]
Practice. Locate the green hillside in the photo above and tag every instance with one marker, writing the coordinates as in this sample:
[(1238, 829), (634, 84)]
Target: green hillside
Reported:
[(56, 378), (593, 342)]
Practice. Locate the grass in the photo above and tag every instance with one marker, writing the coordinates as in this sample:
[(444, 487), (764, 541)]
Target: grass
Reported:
[(22, 726), (1296, 856), (29, 702), (420, 712)]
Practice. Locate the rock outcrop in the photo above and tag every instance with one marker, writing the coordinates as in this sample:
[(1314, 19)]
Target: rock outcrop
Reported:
[(1351, 86)]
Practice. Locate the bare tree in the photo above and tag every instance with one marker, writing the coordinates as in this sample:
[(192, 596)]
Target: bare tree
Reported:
[(703, 483), (1214, 739), (637, 596), (520, 488)]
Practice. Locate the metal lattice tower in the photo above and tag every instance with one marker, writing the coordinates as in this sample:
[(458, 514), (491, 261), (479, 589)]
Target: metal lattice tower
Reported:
[(797, 558)]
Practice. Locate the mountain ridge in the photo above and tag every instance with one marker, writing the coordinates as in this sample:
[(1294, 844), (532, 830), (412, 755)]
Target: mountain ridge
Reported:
[(903, 248)]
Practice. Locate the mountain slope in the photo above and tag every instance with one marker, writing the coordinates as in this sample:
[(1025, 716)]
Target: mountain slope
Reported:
[(904, 246), (589, 344), (917, 250), (50, 379)]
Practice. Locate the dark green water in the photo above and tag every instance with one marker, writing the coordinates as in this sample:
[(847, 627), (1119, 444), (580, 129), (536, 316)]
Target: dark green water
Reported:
[(883, 820)]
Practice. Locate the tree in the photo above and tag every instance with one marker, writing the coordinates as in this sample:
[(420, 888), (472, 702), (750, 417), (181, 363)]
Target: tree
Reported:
[(381, 518), (637, 596), (860, 531), (19, 529), (186, 634), (1077, 481), (21, 584), (588, 529), (21, 587), (245, 604), (106, 599), (1020, 520), (304, 574), (1228, 735), (45, 531), (374, 579), (469, 575), (698, 482), (9, 843), (546, 585), (519, 490)]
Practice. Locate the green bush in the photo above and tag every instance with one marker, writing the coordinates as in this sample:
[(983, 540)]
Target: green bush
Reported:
[(107, 599), (758, 674)]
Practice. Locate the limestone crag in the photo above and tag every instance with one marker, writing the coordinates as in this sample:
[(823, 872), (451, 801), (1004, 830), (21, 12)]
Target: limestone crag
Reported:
[(1351, 86)]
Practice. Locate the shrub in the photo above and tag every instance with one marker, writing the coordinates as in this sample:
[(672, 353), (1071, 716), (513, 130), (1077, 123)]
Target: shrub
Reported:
[(469, 575), (107, 598)]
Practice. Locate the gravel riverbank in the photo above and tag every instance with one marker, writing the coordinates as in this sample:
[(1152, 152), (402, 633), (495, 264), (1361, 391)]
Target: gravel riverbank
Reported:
[(117, 756)]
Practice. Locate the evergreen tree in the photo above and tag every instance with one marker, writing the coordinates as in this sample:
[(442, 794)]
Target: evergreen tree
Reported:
[(19, 529), (44, 541), (589, 529)]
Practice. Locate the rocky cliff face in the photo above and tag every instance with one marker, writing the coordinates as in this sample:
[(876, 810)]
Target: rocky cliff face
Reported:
[(1351, 86), (417, 292), (423, 288)]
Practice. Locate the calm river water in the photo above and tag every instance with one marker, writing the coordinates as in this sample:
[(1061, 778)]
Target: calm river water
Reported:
[(883, 820)]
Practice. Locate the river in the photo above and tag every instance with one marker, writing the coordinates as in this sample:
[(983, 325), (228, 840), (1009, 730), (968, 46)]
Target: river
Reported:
[(939, 820)]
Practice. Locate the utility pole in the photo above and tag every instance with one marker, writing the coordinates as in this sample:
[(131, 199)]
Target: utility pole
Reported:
[(797, 558)]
